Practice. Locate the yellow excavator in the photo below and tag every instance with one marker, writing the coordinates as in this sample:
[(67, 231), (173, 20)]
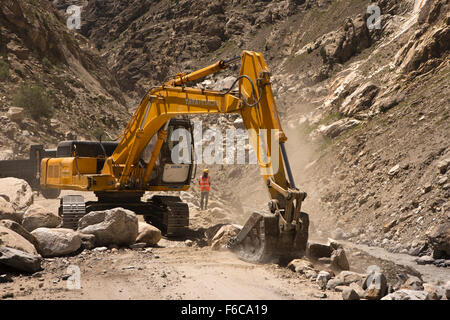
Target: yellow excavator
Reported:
[(119, 173)]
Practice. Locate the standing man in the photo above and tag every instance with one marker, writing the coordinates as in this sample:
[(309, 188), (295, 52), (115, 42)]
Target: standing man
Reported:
[(205, 187)]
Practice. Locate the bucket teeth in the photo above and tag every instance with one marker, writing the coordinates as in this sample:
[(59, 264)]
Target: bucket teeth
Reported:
[(261, 240)]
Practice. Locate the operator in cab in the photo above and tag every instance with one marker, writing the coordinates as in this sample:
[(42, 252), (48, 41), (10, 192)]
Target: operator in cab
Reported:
[(205, 188)]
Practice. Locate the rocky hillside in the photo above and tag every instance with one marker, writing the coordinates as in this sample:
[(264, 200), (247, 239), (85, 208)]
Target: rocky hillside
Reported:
[(366, 110), (59, 80)]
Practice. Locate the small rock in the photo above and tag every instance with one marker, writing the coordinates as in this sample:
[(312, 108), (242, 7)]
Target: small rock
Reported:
[(349, 294), (394, 170), (148, 234), (320, 295), (345, 278), (140, 245), (87, 241), (300, 265), (425, 260), (100, 249), (223, 236), (413, 283), (388, 226), (433, 292), (443, 165), (439, 238), (318, 250), (322, 279), (427, 188), (358, 289), (5, 278), (407, 295), (8, 295), (189, 243), (128, 268), (442, 181), (339, 260)]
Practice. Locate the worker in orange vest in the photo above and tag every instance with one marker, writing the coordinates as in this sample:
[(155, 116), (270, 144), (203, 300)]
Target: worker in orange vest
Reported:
[(205, 187)]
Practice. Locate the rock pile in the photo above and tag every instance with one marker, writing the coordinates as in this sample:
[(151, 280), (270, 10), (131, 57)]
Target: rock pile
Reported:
[(26, 238), (326, 265)]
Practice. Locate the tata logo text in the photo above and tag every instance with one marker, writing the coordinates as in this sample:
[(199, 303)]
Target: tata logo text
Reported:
[(197, 102)]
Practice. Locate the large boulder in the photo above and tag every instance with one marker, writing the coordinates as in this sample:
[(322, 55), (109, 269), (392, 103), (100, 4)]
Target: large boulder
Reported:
[(19, 260), (17, 228), (116, 226), (11, 239), (18, 192), (224, 235), (439, 238), (407, 295), (40, 217), (148, 234), (57, 242), (7, 211)]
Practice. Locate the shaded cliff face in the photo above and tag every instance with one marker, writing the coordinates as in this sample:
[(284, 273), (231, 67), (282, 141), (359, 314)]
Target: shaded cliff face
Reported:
[(37, 49)]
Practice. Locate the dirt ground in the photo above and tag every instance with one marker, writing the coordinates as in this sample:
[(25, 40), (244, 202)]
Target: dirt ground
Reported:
[(164, 273), (175, 271), (170, 271)]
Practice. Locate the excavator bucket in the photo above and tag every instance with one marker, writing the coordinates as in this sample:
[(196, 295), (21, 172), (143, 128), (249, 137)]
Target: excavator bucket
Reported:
[(264, 239)]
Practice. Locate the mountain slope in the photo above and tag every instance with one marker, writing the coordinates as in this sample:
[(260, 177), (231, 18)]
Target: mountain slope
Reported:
[(38, 50)]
